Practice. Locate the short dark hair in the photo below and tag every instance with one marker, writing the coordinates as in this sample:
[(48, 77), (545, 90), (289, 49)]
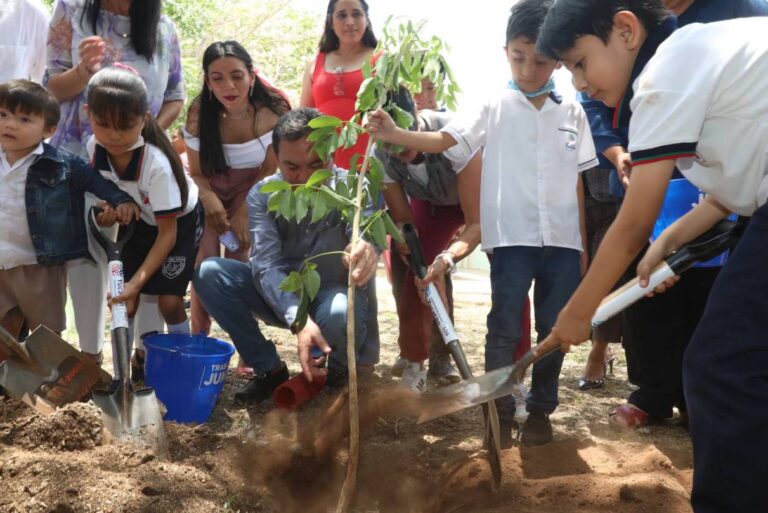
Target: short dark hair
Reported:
[(569, 20), (292, 126), (330, 41), (526, 18), (30, 98)]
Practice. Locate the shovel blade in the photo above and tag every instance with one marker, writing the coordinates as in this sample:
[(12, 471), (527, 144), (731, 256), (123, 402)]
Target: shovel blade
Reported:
[(133, 416), (465, 394), (52, 374)]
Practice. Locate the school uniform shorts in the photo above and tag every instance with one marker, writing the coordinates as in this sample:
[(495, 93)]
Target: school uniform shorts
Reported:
[(174, 275)]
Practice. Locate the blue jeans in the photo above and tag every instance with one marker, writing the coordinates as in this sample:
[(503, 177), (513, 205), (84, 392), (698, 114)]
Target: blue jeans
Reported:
[(226, 290), (556, 274)]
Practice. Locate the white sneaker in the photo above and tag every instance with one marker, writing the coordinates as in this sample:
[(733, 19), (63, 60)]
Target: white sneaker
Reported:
[(415, 377), (399, 366)]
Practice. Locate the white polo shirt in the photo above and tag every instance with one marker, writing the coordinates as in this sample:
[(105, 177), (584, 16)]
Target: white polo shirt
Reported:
[(531, 165), (23, 39), (148, 179), (16, 247), (702, 101)]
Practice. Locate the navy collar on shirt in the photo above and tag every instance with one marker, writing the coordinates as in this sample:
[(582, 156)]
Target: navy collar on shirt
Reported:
[(132, 172), (658, 35)]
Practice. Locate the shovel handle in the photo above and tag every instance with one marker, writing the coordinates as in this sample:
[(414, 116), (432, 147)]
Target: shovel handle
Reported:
[(113, 249)]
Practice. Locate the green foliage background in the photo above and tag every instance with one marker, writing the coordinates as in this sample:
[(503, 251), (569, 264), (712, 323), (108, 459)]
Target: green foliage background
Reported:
[(279, 37)]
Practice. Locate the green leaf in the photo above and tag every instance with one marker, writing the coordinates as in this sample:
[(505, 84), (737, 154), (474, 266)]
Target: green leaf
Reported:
[(348, 136), (403, 118), (292, 283), (392, 228), (273, 204), (319, 177), (325, 121), (379, 233), (275, 186), (301, 206), (342, 189), (286, 205), (333, 199), (366, 95), (319, 208), (375, 169), (311, 283), (302, 313), (320, 134)]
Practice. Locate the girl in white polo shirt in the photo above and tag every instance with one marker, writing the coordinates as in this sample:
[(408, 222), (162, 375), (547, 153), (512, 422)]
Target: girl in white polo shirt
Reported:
[(129, 148)]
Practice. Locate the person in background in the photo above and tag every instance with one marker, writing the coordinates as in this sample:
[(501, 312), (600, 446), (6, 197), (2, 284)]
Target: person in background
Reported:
[(333, 77), (23, 25), (228, 135), (239, 294), (439, 199), (41, 209), (531, 201), (85, 36)]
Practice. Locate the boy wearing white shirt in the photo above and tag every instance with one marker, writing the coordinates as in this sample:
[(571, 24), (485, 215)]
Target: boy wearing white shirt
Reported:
[(536, 144), (700, 104), (23, 38)]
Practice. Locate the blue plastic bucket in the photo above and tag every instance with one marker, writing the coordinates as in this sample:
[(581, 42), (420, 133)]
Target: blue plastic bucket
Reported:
[(187, 373), (681, 197)]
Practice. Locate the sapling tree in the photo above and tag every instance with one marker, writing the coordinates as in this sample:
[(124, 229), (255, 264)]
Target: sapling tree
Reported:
[(402, 59)]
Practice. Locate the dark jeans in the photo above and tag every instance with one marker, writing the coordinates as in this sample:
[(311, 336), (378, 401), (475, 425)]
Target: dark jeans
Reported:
[(656, 332), (556, 274), (725, 375)]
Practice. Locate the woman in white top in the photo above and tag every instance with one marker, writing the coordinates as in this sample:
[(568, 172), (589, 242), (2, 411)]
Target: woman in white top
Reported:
[(229, 146)]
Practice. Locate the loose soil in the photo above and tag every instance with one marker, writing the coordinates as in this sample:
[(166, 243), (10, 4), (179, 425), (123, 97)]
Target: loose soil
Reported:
[(263, 460)]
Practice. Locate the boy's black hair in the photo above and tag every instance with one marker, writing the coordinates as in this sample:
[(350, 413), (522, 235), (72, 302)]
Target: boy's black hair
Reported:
[(569, 20), (525, 19), (30, 98), (293, 125)]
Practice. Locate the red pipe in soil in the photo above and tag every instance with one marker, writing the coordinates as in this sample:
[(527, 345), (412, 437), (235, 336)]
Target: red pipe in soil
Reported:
[(297, 391)]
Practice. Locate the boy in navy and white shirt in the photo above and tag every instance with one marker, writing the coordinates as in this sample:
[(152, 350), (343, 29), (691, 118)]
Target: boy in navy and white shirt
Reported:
[(531, 202), (700, 104)]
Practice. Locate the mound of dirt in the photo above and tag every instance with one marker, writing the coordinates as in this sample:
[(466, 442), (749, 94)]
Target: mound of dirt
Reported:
[(75, 427)]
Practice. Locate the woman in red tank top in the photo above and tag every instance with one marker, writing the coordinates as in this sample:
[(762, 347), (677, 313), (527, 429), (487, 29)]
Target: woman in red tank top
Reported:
[(333, 77)]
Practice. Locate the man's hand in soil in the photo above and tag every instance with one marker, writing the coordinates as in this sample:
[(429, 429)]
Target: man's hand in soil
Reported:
[(309, 337)]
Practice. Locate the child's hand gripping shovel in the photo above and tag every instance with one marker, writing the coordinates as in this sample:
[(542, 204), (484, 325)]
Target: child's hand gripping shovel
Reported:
[(503, 381), (128, 414), (451, 339)]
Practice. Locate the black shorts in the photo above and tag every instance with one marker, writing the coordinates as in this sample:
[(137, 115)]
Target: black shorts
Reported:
[(174, 275)]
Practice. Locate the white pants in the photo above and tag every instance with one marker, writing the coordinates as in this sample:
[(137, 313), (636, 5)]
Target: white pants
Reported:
[(88, 289)]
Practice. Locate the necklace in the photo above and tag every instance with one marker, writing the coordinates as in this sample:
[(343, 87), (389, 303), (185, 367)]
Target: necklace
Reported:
[(237, 117)]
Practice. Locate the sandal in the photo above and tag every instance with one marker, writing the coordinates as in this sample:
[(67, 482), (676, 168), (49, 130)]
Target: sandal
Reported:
[(628, 416)]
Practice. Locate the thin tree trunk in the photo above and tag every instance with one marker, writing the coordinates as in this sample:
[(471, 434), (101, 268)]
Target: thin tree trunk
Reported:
[(350, 481)]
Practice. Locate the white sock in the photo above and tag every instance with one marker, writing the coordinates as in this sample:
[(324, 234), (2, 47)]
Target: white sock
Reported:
[(182, 327)]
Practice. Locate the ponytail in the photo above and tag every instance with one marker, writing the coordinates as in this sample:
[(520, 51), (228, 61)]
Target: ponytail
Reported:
[(153, 134)]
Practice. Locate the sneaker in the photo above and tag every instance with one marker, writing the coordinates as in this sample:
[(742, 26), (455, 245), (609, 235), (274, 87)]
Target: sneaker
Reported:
[(537, 430), (415, 377), (261, 386), (399, 366), (442, 371)]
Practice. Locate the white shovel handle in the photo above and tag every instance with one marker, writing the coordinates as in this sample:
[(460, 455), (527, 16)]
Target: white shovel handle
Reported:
[(630, 293), (116, 284)]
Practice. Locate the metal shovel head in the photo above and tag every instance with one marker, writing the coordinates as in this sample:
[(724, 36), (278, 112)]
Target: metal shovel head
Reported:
[(133, 416), (464, 394), (53, 374)]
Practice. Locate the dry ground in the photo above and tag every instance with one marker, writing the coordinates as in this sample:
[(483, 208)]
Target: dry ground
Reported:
[(259, 460)]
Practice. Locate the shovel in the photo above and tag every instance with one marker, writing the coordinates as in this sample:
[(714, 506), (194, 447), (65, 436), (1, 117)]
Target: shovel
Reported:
[(128, 414), (45, 371), (500, 382), (451, 339)]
